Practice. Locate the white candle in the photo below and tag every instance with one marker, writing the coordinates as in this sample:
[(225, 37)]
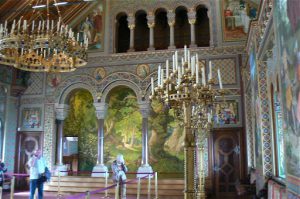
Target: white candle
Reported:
[(52, 25), (162, 78), (32, 27), (43, 25), (44, 53), (210, 71), (5, 24), (208, 117), (193, 65), (48, 24), (167, 68), (188, 60), (78, 36), (182, 64), (203, 77), (152, 86), (39, 28), (158, 75), (19, 25), (22, 51), (173, 63), (220, 80), (185, 51), (58, 24), (197, 72), (24, 25), (176, 60)]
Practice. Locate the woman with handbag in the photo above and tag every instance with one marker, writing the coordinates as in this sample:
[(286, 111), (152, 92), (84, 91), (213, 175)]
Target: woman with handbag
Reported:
[(37, 170)]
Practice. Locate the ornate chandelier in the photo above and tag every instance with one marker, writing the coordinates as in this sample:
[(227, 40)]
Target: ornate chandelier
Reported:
[(187, 89), (42, 46)]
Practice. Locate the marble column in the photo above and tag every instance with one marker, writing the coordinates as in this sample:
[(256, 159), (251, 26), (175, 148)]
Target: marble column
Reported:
[(151, 24), (101, 110), (61, 112), (131, 26), (145, 167), (171, 22), (192, 21)]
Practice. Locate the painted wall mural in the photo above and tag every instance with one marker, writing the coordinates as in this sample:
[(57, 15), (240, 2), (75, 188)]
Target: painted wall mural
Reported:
[(31, 118), (81, 122), (287, 21), (236, 16), (92, 27)]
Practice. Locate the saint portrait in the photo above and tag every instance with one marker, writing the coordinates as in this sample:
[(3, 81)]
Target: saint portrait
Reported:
[(99, 73), (31, 118), (142, 70)]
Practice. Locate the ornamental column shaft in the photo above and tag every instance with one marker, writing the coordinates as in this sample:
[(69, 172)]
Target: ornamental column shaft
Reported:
[(100, 168), (151, 24), (131, 26), (61, 112), (145, 167), (171, 22), (192, 21)]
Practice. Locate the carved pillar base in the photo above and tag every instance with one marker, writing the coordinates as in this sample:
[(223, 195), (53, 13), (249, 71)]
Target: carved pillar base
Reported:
[(131, 50), (100, 168), (144, 169), (201, 195), (172, 47), (151, 49), (59, 169), (192, 46)]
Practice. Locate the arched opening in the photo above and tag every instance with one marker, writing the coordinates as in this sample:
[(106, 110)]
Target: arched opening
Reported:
[(81, 122), (161, 30), (202, 27), (123, 127), (141, 31), (182, 30), (122, 33)]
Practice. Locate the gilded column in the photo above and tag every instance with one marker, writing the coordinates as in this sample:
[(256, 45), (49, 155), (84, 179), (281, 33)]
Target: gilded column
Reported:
[(151, 24), (192, 21), (171, 22), (189, 154), (131, 26), (145, 167), (100, 168), (61, 112)]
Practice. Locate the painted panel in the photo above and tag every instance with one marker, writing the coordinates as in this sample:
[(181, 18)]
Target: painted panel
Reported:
[(287, 23), (31, 118), (93, 27), (236, 16)]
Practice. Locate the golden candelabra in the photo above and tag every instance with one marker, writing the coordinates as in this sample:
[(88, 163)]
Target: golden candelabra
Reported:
[(181, 90)]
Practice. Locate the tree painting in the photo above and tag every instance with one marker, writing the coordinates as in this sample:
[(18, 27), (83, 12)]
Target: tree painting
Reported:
[(82, 122)]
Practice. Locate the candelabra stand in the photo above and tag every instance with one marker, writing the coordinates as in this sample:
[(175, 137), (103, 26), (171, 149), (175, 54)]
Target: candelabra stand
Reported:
[(181, 90)]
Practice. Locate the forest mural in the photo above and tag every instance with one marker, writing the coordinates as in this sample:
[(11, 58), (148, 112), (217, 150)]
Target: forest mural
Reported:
[(287, 21), (123, 133)]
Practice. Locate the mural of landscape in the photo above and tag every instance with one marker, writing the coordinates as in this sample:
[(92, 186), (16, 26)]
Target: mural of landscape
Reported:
[(288, 31), (123, 133)]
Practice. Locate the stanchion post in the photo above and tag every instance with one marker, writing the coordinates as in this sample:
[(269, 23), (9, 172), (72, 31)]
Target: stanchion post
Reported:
[(117, 191), (12, 187), (106, 191), (87, 195), (156, 186), (0, 192), (58, 186), (149, 186), (138, 188)]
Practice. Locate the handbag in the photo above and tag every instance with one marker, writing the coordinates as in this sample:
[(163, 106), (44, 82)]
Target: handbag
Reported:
[(44, 177)]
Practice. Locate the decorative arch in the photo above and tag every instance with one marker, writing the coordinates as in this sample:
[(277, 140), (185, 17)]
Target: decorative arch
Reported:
[(202, 26), (141, 31), (161, 29), (106, 90), (73, 83), (182, 31)]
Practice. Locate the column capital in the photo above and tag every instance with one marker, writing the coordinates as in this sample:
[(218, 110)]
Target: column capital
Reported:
[(144, 109), (61, 111), (101, 110), (192, 15), (131, 26), (192, 21), (151, 24)]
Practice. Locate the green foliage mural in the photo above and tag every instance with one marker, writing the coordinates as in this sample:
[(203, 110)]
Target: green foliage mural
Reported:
[(165, 143), (82, 122), (123, 133), (123, 129)]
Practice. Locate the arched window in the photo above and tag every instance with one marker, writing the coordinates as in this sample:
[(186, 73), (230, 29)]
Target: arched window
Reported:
[(161, 30), (202, 27), (141, 31), (182, 30), (122, 33), (278, 136)]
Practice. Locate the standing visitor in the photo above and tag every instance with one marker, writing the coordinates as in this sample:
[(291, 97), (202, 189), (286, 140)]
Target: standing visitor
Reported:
[(37, 169), (3, 169)]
